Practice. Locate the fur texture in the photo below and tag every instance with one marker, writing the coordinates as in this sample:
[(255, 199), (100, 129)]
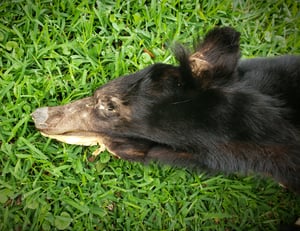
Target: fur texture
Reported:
[(211, 112)]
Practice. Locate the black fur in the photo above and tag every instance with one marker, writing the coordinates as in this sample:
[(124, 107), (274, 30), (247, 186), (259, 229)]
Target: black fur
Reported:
[(212, 112)]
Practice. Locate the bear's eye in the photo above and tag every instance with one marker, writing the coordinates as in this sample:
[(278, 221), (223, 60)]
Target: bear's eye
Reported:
[(107, 108), (110, 106)]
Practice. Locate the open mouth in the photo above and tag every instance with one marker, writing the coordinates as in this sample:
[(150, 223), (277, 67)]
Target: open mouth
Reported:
[(82, 138), (78, 138)]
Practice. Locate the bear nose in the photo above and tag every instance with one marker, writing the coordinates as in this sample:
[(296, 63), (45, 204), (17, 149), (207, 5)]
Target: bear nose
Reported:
[(40, 117)]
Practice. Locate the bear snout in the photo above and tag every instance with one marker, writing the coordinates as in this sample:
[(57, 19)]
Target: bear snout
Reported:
[(40, 117)]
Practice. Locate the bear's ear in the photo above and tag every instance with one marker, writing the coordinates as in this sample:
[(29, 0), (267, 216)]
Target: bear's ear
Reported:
[(215, 59)]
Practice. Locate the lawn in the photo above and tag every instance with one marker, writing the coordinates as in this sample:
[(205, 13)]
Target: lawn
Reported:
[(53, 52)]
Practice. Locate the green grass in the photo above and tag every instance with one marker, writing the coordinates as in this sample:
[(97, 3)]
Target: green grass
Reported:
[(52, 52)]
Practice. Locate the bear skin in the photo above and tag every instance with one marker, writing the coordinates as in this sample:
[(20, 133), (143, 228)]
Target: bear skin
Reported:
[(213, 111)]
